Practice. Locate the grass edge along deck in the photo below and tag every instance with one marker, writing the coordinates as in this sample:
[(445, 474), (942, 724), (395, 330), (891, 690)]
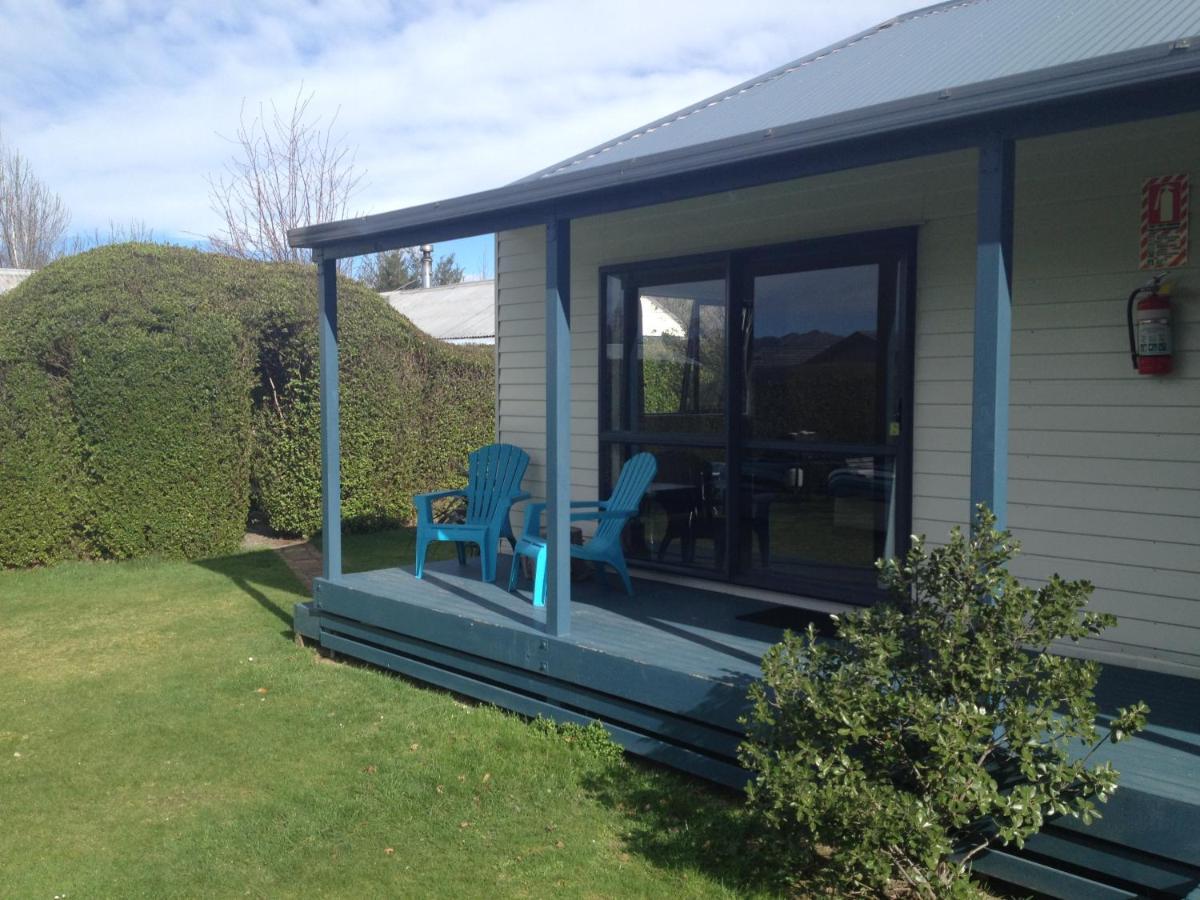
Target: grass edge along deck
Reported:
[(1146, 844)]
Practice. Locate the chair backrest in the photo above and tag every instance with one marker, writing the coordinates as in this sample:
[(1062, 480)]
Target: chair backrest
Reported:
[(631, 486), (494, 472)]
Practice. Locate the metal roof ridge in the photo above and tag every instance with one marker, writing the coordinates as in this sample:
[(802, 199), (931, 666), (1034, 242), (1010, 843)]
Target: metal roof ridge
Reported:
[(755, 82)]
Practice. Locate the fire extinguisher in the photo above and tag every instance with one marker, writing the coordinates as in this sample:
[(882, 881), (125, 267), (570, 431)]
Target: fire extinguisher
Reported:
[(1149, 323)]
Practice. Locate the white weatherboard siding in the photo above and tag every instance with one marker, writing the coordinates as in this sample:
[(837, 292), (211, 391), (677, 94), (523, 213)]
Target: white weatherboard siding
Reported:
[(1104, 464)]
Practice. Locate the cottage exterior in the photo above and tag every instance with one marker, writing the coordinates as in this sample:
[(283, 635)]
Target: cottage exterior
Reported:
[(841, 303)]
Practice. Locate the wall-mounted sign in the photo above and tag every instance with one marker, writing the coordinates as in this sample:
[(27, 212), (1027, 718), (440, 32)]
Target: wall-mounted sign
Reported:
[(1164, 239)]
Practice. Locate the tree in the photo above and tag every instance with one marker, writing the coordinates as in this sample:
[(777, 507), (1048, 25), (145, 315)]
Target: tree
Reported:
[(286, 172), (33, 219), (395, 270)]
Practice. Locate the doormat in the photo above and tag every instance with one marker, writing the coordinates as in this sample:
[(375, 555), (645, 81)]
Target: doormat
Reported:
[(793, 618)]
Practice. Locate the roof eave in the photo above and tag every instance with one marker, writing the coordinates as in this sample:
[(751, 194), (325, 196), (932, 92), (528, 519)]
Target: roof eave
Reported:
[(530, 202)]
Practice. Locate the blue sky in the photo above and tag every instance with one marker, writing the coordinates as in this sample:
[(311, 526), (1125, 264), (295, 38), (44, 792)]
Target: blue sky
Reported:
[(124, 108)]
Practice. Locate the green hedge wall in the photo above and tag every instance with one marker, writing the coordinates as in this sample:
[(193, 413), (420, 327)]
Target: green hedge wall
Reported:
[(39, 468), (152, 395)]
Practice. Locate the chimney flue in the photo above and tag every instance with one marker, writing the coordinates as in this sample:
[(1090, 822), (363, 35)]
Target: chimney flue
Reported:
[(426, 265)]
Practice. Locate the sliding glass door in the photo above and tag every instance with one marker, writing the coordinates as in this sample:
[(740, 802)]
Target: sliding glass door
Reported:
[(771, 386)]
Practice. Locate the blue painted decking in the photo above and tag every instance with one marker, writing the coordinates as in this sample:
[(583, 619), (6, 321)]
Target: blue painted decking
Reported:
[(668, 672)]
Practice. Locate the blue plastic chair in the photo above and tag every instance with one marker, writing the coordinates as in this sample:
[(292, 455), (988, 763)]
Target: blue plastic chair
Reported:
[(605, 545), (493, 485)]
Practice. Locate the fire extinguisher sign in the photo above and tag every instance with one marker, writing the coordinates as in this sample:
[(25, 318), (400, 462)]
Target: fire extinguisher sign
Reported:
[(1164, 238)]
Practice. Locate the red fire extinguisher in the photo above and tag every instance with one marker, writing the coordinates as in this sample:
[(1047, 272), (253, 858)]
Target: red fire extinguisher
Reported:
[(1149, 323)]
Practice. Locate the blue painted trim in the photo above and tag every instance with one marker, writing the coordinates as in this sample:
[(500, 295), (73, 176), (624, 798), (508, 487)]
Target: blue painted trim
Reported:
[(331, 459), (558, 426), (993, 328)]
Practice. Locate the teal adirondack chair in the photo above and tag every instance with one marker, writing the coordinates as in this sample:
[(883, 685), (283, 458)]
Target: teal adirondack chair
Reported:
[(605, 545), (494, 476)]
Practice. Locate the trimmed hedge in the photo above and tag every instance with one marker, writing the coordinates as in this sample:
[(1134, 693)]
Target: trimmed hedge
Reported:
[(152, 395)]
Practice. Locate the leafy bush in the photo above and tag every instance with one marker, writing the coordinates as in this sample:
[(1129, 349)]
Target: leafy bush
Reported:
[(933, 727), (39, 477), (152, 394)]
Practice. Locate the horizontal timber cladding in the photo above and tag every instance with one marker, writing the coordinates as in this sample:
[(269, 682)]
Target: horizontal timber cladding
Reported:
[(1104, 464)]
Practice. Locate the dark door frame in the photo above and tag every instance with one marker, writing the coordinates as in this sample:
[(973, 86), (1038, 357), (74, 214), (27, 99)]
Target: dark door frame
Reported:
[(896, 246)]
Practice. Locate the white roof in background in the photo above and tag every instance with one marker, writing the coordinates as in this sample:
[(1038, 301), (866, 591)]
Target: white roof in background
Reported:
[(10, 278), (463, 313)]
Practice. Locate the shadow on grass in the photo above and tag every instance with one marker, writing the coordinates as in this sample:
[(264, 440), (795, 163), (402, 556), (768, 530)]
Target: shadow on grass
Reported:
[(257, 572), (681, 824)]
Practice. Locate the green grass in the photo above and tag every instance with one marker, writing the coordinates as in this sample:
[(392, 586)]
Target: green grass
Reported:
[(162, 736)]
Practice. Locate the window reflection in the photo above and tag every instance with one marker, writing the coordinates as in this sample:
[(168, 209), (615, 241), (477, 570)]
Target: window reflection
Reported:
[(682, 353), (814, 356)]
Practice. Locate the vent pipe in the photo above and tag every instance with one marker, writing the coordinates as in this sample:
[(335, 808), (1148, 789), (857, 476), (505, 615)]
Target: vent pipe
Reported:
[(426, 265)]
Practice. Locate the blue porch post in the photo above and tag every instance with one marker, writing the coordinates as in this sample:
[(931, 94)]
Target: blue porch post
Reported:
[(993, 328), (331, 459), (558, 426)]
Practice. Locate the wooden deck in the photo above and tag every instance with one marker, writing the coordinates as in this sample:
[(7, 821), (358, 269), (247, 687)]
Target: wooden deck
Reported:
[(668, 671)]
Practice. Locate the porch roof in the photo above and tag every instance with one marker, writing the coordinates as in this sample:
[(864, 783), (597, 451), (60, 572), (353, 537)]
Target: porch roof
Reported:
[(940, 78)]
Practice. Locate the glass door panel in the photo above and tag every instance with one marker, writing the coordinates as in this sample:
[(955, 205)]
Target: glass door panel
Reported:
[(815, 519), (682, 353), (769, 384), (814, 356), (820, 424)]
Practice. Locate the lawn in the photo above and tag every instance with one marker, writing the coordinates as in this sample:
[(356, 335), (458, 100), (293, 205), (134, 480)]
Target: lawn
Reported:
[(162, 735)]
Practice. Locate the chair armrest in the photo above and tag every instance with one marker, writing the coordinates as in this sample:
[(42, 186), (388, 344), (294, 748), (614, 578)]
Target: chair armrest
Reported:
[(440, 495), (604, 515), (585, 504), (424, 502)]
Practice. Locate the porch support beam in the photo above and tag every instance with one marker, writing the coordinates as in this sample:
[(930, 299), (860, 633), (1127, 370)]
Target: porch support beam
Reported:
[(993, 327), (331, 460), (558, 426)]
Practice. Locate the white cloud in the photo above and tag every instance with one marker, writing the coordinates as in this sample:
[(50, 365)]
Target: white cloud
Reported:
[(120, 105)]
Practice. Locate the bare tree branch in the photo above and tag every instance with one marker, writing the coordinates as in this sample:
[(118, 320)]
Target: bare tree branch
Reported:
[(287, 171), (33, 219)]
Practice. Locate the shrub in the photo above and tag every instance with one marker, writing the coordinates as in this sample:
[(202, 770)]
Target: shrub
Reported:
[(164, 417), (152, 394), (933, 727), (39, 477)]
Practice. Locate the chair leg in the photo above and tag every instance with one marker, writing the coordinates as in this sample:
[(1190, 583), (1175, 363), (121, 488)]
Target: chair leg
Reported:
[(487, 558), (514, 570), (461, 549), (539, 578), (618, 563), (423, 542)]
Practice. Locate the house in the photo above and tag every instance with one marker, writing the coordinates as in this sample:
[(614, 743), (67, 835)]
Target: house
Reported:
[(10, 278), (896, 273), (463, 313)]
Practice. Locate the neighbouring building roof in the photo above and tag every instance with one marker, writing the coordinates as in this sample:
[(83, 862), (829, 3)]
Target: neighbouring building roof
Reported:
[(927, 81), (463, 313), (928, 51), (10, 278)]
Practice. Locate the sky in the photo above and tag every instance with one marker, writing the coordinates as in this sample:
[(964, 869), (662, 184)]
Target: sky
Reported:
[(126, 109)]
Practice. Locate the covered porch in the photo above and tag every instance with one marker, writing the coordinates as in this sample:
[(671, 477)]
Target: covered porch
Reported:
[(667, 672)]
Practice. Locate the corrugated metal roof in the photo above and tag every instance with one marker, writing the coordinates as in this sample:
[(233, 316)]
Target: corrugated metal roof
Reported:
[(460, 313), (10, 278), (928, 51), (937, 79)]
